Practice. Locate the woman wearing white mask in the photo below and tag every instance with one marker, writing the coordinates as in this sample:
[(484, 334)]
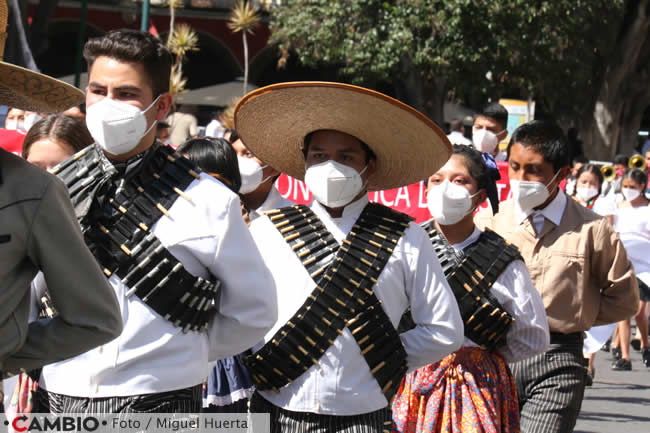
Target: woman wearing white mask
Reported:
[(479, 369), (258, 192), (15, 119), (587, 192), (632, 222)]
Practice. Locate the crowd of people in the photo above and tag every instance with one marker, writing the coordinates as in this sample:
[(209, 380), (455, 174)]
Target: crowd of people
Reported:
[(138, 277)]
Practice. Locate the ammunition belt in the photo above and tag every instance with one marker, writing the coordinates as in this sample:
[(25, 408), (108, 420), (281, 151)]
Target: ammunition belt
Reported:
[(471, 276), (343, 297), (117, 230)]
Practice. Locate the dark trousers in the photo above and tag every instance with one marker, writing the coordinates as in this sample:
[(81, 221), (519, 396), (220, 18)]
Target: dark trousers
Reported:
[(551, 385), (285, 421), (186, 400)]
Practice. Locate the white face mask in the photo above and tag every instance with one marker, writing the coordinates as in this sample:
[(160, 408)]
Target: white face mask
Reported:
[(630, 194), (30, 119), (449, 203), (586, 193), (530, 194), (485, 141), (251, 174), (15, 125), (333, 184), (117, 126)]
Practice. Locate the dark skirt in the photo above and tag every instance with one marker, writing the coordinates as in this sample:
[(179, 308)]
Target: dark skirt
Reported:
[(228, 383)]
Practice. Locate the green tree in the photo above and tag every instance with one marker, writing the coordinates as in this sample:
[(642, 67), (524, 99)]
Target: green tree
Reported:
[(566, 54)]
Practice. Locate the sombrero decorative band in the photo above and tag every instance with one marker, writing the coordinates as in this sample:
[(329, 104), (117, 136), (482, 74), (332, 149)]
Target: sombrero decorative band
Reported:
[(29, 90), (273, 121)]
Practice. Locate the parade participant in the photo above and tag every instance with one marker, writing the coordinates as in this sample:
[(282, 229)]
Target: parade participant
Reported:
[(577, 163), (54, 139), (577, 263), (632, 222), (15, 120), (457, 133), (346, 269), (229, 385), (490, 129), (503, 314), (258, 192), (171, 242), (39, 232)]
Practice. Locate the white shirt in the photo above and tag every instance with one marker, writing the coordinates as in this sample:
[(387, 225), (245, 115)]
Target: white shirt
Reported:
[(552, 212), (456, 137), (214, 129), (273, 201), (343, 384), (515, 291), (633, 226), (208, 236)]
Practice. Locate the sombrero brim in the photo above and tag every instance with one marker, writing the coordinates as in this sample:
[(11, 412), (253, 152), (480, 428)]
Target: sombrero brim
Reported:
[(273, 121), (31, 91)]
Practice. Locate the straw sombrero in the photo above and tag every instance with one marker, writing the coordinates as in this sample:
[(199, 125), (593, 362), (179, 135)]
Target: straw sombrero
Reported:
[(273, 121), (29, 90)]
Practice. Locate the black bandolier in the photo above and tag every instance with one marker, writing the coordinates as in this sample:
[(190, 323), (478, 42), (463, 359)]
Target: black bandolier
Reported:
[(117, 204), (471, 274), (343, 298)]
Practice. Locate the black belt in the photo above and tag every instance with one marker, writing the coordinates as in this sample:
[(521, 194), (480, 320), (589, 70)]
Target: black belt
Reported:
[(571, 338)]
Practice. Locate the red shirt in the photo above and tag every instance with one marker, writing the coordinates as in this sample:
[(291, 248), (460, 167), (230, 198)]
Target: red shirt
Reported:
[(11, 140)]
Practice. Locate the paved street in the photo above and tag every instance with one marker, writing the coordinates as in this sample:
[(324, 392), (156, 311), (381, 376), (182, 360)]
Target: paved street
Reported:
[(618, 400)]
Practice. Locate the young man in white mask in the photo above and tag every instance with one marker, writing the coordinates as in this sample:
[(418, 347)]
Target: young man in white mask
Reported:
[(170, 239), (258, 192), (578, 265), (347, 268), (489, 130)]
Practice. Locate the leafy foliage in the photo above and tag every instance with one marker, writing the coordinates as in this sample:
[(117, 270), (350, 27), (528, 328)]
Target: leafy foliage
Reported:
[(550, 50)]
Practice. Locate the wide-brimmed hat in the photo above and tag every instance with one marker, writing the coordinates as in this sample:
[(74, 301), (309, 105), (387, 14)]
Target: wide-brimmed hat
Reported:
[(273, 121), (29, 90)]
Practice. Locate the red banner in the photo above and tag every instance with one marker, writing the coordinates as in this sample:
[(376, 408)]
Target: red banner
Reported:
[(411, 199)]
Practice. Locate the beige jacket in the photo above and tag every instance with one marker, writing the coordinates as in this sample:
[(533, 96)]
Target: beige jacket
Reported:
[(579, 267), (39, 231)]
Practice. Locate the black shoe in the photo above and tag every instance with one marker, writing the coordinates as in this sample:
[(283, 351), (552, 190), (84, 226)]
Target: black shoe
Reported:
[(636, 344), (589, 379), (622, 365), (646, 357), (616, 353)]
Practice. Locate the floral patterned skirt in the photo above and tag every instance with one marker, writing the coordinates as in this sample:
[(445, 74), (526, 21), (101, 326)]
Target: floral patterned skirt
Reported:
[(469, 391)]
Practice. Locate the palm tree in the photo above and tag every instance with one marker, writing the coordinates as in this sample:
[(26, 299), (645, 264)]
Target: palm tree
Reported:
[(244, 19)]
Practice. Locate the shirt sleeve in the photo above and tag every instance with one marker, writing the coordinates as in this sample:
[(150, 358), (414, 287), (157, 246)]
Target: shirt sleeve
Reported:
[(247, 306), (438, 326), (529, 333), (611, 269), (88, 311)]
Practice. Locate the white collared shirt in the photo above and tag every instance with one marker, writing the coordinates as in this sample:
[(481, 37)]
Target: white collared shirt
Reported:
[(273, 201), (343, 384), (553, 212), (515, 291), (208, 236)]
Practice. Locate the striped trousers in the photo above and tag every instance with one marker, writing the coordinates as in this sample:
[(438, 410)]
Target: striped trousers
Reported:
[(187, 400), (550, 387), (285, 421)]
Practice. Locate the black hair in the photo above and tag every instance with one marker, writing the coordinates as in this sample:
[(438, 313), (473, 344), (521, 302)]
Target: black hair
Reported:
[(214, 156), (133, 46), (456, 125), (580, 159), (234, 136), (638, 176), (497, 112), (61, 128), (621, 159), (478, 168), (593, 169), (370, 155), (546, 138)]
